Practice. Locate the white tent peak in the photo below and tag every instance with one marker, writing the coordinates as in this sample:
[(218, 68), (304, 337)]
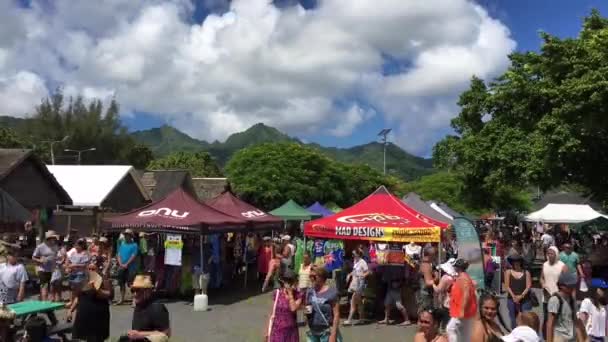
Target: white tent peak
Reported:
[(564, 213), (90, 185)]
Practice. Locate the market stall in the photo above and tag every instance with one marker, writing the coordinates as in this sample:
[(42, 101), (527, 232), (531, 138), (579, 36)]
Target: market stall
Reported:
[(292, 211), (246, 245), (320, 209), (414, 201), (378, 217), (175, 220), (564, 213)]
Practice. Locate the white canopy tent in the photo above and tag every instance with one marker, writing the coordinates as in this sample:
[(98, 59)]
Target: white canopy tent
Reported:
[(441, 211), (564, 213)]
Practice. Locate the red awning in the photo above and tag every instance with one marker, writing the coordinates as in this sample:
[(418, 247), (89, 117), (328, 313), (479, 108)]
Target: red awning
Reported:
[(178, 212), (380, 217), (231, 205)]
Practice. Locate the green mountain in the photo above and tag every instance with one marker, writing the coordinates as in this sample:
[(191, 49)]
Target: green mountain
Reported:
[(167, 139), (11, 122)]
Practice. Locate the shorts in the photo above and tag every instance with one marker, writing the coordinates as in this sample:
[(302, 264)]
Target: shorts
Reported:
[(77, 279), (393, 297), (125, 277), (357, 286), (45, 279)]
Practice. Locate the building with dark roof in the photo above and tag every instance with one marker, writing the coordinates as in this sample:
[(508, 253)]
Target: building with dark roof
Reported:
[(160, 183), (26, 179)]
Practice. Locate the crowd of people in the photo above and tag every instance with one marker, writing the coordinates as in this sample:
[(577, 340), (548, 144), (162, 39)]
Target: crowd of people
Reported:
[(89, 269)]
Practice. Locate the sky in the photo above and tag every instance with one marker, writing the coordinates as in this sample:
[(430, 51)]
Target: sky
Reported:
[(334, 72)]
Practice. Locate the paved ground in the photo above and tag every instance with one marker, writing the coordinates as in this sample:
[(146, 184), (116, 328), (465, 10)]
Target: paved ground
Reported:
[(243, 320)]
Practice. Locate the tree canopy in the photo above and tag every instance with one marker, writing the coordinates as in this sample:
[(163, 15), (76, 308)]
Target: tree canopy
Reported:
[(270, 174), (544, 122), (199, 164), (87, 124)]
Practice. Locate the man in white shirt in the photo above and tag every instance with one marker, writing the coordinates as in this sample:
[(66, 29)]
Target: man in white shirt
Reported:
[(593, 315)]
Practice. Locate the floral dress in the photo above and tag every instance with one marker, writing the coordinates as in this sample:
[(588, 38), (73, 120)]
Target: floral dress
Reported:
[(284, 326)]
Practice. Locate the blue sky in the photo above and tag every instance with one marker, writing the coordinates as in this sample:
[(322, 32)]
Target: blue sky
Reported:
[(332, 72)]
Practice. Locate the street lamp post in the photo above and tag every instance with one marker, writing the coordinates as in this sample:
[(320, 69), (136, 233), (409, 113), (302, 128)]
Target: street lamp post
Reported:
[(53, 142), (383, 134), (80, 152)]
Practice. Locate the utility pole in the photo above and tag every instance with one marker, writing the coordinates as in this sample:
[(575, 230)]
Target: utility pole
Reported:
[(80, 152), (53, 143), (383, 134)]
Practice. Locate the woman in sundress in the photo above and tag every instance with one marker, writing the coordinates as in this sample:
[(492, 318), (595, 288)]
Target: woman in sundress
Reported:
[(283, 326)]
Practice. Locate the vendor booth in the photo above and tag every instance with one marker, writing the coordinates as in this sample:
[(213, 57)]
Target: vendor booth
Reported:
[(389, 233), (177, 232), (379, 217), (320, 209), (414, 201), (292, 211), (250, 242), (564, 213)]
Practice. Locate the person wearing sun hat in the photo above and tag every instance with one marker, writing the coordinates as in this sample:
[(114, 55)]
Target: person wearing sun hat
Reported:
[(92, 306), (150, 318), (44, 256)]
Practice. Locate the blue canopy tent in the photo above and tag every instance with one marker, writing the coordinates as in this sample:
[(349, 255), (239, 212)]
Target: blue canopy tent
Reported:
[(318, 208)]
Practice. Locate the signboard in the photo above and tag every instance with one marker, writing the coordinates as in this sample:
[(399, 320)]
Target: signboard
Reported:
[(469, 248), (173, 250), (388, 234)]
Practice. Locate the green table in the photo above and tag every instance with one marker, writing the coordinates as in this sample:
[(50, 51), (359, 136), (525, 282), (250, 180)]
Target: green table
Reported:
[(32, 307)]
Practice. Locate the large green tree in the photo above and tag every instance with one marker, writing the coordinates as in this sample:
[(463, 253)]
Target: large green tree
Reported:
[(87, 124), (9, 139), (200, 164), (544, 122), (270, 174)]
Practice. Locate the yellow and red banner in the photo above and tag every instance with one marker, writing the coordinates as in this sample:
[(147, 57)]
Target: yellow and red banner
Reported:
[(388, 234)]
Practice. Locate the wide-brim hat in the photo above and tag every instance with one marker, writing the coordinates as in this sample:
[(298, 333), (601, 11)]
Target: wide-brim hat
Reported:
[(103, 239), (142, 282), (129, 231), (94, 277), (286, 237), (522, 334), (51, 234)]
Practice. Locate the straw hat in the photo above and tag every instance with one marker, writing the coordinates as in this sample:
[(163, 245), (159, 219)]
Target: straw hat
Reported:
[(51, 234), (103, 239), (157, 337), (128, 231), (94, 277), (142, 281)]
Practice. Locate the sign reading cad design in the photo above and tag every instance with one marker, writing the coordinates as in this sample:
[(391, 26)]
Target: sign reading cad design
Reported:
[(164, 212)]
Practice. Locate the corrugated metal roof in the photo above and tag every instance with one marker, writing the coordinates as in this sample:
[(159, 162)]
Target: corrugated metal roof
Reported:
[(90, 185)]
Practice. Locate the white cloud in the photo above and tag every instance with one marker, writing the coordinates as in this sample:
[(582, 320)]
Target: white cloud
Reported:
[(285, 67)]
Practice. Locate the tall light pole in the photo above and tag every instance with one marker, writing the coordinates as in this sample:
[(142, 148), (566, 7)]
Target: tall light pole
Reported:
[(53, 142), (383, 134), (80, 152)]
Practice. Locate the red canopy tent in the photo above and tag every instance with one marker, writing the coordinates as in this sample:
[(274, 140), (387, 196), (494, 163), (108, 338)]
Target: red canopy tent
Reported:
[(231, 205), (381, 217), (178, 212)]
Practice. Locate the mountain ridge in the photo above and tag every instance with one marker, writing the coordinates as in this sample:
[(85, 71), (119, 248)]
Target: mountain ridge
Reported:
[(166, 139)]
